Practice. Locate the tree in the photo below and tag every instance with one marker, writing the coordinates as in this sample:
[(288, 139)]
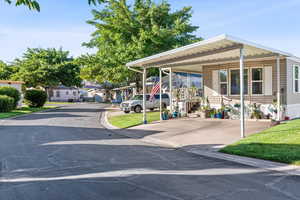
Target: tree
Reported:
[(34, 5), (47, 68), (6, 71), (125, 33)]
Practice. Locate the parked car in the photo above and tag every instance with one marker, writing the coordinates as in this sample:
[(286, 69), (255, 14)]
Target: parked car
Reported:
[(136, 103)]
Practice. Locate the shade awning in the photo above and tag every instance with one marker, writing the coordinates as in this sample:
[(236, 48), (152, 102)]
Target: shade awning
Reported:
[(218, 49)]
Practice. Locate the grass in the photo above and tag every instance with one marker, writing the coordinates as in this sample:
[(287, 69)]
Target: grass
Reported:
[(132, 119), (58, 102), (22, 111), (280, 143)]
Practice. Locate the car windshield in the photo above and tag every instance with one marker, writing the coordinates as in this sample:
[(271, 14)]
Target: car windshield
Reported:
[(137, 97), (140, 97)]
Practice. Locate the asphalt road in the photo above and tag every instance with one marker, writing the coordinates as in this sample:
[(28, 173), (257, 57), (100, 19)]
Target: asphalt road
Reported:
[(67, 155)]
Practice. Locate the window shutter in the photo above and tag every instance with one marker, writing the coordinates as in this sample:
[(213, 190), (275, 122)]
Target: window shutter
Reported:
[(215, 82), (268, 80)]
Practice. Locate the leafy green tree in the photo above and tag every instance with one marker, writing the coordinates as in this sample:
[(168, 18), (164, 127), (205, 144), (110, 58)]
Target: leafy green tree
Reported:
[(34, 5), (6, 71), (47, 68), (125, 33)]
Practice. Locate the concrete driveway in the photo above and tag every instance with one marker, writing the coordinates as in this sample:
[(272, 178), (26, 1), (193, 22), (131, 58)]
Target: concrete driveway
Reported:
[(210, 134), (66, 154)]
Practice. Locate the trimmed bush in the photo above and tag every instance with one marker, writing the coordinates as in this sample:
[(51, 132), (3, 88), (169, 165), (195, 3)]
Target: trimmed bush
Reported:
[(11, 92), (35, 98), (6, 103)]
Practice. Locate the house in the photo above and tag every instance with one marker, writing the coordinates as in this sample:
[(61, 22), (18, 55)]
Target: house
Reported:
[(239, 71), (64, 94), (14, 84)]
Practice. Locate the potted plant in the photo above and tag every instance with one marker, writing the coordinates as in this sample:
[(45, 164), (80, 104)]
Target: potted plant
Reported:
[(219, 113), (213, 113), (175, 113), (256, 112), (165, 114)]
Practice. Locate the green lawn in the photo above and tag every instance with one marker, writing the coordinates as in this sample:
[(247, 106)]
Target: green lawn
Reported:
[(132, 119), (58, 102), (280, 143), (22, 111)]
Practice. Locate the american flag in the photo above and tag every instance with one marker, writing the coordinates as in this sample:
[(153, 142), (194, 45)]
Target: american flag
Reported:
[(154, 91)]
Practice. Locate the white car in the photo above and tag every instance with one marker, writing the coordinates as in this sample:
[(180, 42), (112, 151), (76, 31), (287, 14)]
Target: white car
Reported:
[(136, 103)]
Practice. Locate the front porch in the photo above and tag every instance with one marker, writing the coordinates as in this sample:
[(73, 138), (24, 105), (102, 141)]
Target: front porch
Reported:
[(233, 70)]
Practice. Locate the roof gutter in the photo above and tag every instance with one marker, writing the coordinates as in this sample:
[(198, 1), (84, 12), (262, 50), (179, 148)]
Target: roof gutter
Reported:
[(134, 70)]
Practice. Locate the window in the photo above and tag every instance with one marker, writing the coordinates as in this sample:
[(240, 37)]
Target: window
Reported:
[(74, 93), (163, 96), (235, 81), (67, 92), (257, 81), (57, 94), (223, 76), (296, 78)]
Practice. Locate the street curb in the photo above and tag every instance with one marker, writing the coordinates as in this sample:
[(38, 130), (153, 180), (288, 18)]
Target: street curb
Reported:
[(148, 139), (254, 162)]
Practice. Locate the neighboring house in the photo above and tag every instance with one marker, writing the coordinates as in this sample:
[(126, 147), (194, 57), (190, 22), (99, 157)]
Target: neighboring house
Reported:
[(64, 94), (271, 77), (15, 84)]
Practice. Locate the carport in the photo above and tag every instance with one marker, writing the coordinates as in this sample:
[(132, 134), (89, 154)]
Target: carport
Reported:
[(214, 51)]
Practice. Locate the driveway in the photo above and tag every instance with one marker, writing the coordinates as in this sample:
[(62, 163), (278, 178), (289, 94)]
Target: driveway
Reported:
[(66, 155), (208, 134)]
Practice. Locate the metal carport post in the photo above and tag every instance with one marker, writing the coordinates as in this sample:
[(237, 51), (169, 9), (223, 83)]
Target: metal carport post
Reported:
[(144, 95), (160, 91), (278, 87), (242, 111)]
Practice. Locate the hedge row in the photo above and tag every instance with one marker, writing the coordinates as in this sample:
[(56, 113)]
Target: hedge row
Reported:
[(10, 96), (11, 92), (6, 103)]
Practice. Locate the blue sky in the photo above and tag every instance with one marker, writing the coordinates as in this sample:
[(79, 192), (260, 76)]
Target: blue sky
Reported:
[(60, 23)]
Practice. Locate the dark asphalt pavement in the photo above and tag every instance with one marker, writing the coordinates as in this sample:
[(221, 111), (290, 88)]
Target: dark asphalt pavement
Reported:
[(66, 155)]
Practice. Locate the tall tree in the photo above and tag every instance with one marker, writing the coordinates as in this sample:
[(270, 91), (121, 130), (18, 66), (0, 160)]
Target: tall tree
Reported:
[(34, 5), (125, 33), (6, 71), (47, 68)]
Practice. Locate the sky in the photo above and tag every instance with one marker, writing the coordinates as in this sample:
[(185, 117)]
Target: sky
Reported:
[(60, 23)]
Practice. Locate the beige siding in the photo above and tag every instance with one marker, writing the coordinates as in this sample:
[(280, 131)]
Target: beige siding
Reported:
[(292, 98), (264, 99)]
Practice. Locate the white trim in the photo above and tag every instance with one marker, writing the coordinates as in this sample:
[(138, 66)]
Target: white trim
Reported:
[(248, 43), (216, 82), (260, 81), (292, 111), (205, 42), (220, 82), (268, 82), (293, 58), (229, 92), (294, 79)]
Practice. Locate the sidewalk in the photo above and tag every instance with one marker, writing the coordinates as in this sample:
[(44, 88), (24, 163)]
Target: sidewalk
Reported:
[(188, 140)]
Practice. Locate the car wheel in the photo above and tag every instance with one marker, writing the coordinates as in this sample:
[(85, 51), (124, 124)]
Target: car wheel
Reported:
[(151, 109), (137, 109), (127, 111)]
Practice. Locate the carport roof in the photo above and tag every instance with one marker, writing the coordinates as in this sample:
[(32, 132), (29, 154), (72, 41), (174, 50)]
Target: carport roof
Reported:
[(218, 49)]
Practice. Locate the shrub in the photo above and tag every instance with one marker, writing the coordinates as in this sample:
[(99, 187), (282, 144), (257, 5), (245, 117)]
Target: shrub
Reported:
[(6, 103), (35, 98), (11, 92)]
